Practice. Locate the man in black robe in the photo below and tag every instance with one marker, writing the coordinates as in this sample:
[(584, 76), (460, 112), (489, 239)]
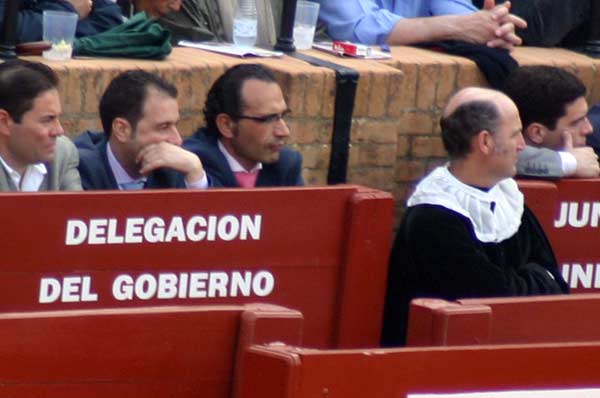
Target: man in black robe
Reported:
[(467, 231)]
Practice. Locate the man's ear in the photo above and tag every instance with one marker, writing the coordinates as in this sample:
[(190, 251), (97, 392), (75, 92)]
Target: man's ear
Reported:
[(121, 129), (535, 133), (5, 122), (225, 124), (484, 142)]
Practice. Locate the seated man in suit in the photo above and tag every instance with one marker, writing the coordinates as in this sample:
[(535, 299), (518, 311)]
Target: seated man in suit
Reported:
[(553, 108), (243, 142), (141, 146), (95, 16), (466, 231), (34, 155)]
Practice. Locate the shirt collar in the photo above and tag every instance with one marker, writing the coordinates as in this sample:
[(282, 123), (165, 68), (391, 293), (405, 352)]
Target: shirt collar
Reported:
[(32, 178), (495, 215), (121, 176), (234, 165)]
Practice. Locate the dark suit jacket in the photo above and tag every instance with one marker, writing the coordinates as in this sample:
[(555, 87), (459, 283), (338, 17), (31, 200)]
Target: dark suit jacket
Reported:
[(96, 172), (593, 139), (285, 172), (105, 14)]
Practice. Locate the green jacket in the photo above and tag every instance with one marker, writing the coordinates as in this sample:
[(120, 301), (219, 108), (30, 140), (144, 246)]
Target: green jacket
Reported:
[(139, 37)]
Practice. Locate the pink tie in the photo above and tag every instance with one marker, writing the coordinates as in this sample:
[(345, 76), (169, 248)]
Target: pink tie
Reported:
[(246, 180)]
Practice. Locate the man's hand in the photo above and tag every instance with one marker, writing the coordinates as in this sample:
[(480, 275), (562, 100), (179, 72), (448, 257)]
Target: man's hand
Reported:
[(587, 160), (83, 7), (164, 154), (505, 34), (494, 26)]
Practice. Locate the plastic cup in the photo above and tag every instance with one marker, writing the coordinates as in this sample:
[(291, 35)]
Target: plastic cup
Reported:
[(59, 30), (307, 13)]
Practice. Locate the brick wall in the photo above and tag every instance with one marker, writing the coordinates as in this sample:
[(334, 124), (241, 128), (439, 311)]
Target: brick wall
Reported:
[(395, 135)]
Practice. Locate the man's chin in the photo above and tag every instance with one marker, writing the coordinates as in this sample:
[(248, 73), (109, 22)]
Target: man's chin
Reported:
[(48, 156), (274, 157)]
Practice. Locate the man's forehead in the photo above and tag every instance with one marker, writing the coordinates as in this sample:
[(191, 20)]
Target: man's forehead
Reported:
[(46, 101), (155, 96), (255, 89), (578, 105)]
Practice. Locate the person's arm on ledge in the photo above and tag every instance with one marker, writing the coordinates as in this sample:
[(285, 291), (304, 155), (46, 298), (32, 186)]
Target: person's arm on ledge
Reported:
[(493, 26)]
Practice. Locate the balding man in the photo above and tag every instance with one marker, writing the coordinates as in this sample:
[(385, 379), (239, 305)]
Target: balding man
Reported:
[(467, 232)]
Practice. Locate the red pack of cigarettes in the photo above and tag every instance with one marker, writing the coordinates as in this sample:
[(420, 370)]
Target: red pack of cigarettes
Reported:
[(352, 49)]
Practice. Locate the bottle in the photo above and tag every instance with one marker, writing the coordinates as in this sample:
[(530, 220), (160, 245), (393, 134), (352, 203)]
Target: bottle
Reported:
[(245, 23)]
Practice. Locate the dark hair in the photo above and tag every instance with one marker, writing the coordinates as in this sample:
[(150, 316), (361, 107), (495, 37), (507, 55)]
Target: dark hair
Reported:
[(468, 120), (542, 93), (20, 84), (126, 94), (225, 95)]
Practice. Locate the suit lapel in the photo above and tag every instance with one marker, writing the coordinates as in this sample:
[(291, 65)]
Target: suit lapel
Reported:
[(109, 175), (227, 176), (6, 183), (267, 177)]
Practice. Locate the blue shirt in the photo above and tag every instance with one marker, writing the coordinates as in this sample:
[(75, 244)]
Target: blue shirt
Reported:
[(371, 21)]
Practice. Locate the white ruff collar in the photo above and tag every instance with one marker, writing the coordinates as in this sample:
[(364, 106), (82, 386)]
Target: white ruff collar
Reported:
[(443, 189)]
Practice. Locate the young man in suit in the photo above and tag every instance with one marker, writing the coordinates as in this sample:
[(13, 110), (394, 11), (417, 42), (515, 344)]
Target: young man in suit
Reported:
[(553, 108), (140, 146), (243, 144), (34, 155)]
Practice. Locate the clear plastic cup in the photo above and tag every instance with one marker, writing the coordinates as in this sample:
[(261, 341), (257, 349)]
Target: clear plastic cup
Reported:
[(59, 30), (307, 13)]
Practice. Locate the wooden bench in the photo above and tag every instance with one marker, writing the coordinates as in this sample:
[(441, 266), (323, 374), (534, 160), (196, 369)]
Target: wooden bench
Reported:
[(292, 372), (512, 320), (322, 251), (187, 351)]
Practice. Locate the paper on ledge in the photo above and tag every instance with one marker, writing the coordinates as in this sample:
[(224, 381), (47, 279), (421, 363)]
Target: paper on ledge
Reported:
[(231, 49)]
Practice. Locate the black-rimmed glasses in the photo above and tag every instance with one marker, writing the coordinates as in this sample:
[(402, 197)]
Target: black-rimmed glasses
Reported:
[(272, 118)]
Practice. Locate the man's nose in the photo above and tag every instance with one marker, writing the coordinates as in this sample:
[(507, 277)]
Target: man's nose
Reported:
[(56, 129), (281, 129), (174, 137), (520, 143), (587, 127)]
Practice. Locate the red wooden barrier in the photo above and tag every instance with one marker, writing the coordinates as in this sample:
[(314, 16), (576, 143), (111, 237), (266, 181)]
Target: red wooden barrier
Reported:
[(569, 211), (181, 352), (277, 372), (322, 251), (513, 320)]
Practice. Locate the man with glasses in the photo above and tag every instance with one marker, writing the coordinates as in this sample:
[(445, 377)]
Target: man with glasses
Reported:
[(141, 146), (243, 144)]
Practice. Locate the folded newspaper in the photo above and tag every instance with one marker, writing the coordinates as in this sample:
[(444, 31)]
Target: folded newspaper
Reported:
[(231, 49)]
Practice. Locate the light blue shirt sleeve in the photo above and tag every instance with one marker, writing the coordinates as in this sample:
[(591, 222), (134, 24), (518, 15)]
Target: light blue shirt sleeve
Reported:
[(371, 21)]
